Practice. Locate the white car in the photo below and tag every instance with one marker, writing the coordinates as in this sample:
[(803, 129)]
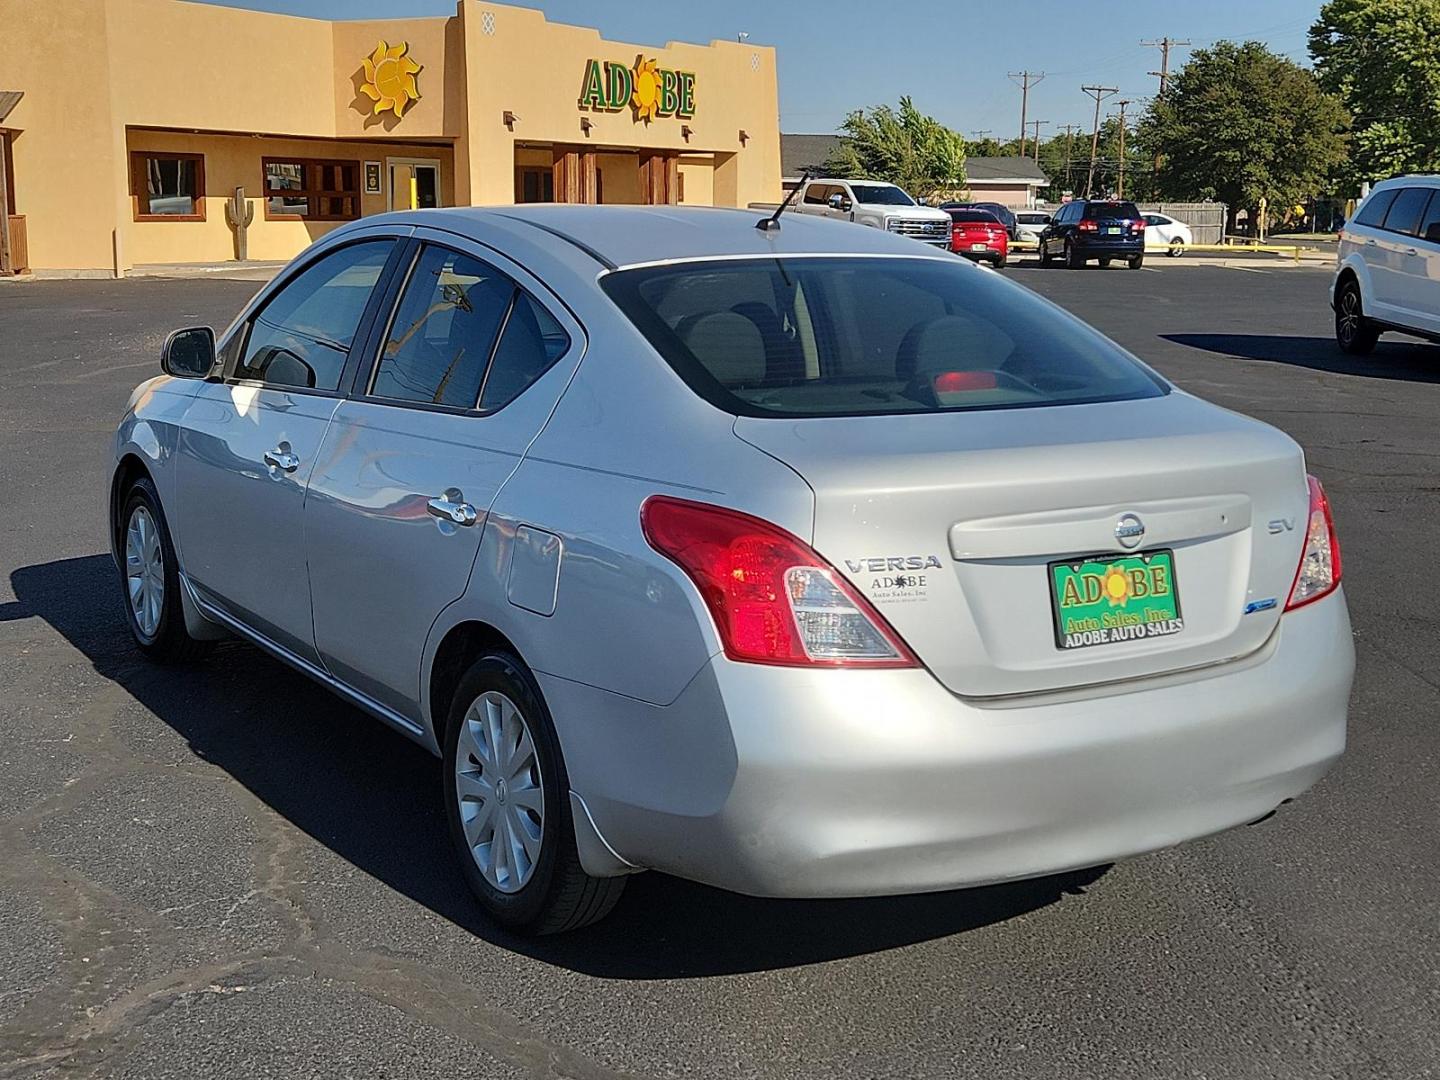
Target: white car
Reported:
[(1029, 224), (1165, 234), (877, 204), (1387, 275)]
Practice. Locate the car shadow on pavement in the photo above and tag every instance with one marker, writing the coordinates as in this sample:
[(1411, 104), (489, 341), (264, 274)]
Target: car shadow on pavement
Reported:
[(1408, 359), (372, 797)]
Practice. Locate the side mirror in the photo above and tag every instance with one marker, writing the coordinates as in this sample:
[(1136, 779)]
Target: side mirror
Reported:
[(840, 202), (189, 353)]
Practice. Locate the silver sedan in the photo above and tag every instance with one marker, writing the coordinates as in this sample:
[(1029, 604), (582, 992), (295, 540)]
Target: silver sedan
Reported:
[(803, 562)]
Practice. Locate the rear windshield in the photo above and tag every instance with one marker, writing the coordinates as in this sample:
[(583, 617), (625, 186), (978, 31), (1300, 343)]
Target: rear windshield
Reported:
[(1030, 219), (1105, 211), (974, 215), (881, 194), (798, 337)]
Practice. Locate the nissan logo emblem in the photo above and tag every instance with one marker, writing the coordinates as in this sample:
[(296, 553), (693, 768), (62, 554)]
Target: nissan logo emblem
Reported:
[(1129, 530)]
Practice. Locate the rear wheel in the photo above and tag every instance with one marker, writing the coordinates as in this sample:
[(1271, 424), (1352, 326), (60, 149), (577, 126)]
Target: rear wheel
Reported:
[(1176, 249), (1073, 259), (151, 579), (1354, 333), (1135, 262), (507, 799), (1000, 261)]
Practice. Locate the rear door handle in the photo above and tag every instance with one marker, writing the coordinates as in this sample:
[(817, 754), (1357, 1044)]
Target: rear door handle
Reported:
[(282, 459), (452, 507), (1411, 251)]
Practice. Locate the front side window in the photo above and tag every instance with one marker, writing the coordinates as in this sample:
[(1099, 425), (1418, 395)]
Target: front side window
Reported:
[(302, 337), (1407, 210), (444, 331), (798, 337), (313, 189), (168, 186)]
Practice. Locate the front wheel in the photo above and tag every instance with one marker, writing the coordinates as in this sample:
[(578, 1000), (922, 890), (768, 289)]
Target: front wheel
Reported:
[(151, 579), (1135, 262), (507, 799), (1354, 333), (1176, 249), (1044, 254)]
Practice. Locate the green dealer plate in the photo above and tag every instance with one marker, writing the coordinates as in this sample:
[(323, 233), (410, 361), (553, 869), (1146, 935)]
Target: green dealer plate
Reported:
[(1112, 599)]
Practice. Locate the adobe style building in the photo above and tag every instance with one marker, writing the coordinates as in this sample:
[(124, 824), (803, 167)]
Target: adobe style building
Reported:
[(132, 123)]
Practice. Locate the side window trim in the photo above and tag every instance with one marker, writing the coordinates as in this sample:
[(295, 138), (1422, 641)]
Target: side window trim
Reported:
[(362, 331), (363, 384)]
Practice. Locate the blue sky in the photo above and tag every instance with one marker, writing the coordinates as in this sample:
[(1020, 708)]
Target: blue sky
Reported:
[(844, 54)]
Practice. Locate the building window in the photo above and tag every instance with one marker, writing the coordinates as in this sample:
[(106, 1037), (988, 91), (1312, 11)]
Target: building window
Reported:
[(534, 183), (306, 189), (168, 186)]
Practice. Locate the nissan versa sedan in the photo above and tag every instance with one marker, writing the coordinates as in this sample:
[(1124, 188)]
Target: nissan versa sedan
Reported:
[(801, 561)]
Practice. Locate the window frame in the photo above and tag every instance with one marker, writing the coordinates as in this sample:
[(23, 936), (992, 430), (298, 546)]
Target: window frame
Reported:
[(313, 194), (368, 370), (363, 331), (138, 183)]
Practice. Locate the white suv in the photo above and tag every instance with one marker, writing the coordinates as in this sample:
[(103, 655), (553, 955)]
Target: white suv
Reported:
[(1387, 275)]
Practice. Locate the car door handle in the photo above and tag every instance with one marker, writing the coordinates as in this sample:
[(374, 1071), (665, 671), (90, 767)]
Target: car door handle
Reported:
[(1370, 242), (282, 459), (1411, 251), (452, 507)]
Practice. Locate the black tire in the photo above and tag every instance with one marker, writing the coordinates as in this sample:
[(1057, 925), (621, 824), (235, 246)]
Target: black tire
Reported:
[(1176, 248), (1354, 333), (1135, 262), (1000, 263), (168, 641), (1044, 255), (558, 895), (1073, 259), (1104, 262)]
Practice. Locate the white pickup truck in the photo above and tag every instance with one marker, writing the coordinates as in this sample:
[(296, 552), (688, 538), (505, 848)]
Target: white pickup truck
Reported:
[(880, 205)]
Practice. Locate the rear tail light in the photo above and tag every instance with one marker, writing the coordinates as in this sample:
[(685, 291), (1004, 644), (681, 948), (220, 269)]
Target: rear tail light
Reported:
[(774, 600), (1087, 225), (958, 382), (1319, 570), (1138, 226)]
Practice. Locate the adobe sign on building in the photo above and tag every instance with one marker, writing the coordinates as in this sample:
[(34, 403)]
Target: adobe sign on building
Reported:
[(355, 118)]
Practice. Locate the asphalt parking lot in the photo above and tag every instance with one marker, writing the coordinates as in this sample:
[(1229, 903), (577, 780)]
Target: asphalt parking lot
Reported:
[(222, 870)]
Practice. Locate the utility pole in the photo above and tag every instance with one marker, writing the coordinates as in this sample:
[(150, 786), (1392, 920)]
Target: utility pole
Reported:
[(1165, 44), (1070, 130), (1036, 125), (1027, 80), (1120, 188), (1099, 93)]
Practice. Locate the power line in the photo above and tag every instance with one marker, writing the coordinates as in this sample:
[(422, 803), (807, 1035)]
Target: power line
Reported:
[(1099, 93), (1027, 80)]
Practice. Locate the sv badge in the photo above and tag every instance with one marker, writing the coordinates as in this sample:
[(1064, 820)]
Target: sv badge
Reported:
[(1280, 525)]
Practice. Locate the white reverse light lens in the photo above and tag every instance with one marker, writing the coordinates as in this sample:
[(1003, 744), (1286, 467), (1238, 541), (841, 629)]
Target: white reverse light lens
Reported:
[(831, 626)]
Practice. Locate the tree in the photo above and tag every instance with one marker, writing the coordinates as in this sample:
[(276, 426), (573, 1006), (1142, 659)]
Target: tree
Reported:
[(904, 146), (1244, 125), (1382, 59)]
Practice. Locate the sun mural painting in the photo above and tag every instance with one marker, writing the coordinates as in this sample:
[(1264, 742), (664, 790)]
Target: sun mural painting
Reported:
[(390, 78), (645, 98)]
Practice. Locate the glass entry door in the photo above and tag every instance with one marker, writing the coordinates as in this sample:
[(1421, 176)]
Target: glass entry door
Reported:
[(414, 185)]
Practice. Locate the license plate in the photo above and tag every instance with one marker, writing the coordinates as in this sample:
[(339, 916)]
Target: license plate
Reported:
[(1112, 230), (1112, 599), (979, 247)]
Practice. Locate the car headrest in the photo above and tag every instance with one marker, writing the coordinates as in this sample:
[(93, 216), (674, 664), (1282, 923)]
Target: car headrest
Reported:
[(951, 343), (729, 345)]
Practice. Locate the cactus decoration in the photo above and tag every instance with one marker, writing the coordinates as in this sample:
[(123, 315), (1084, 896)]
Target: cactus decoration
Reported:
[(239, 213)]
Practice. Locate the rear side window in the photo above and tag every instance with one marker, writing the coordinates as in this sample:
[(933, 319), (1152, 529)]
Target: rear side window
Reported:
[(1407, 210), (1112, 211), (303, 334), (1373, 212), (444, 331), (1430, 226), (800, 337), (531, 342)]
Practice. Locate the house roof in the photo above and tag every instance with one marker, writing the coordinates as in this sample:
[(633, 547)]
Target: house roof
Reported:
[(993, 169), (801, 152)]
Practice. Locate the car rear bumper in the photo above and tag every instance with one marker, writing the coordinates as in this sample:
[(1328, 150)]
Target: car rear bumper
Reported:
[(786, 782), (1100, 245)]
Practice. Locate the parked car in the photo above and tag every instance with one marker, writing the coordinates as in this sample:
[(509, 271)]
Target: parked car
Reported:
[(1387, 275), (979, 235), (802, 562), (1094, 229), (1164, 233), (1001, 211), (880, 205), (1029, 224)]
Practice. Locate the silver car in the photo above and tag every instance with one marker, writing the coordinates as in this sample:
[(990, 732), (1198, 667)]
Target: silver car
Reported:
[(805, 562)]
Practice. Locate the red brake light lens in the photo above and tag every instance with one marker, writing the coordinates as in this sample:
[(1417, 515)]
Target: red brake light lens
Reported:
[(957, 382), (773, 599), (1086, 225), (1319, 571)]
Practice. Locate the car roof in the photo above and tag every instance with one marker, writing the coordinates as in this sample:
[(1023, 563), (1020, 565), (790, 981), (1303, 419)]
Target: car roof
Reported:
[(617, 236), (1416, 180)]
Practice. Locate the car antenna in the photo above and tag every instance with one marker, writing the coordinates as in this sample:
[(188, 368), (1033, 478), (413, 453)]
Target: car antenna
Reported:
[(768, 224)]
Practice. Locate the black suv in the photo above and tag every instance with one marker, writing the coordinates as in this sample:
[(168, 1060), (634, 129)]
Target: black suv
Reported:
[(1095, 229)]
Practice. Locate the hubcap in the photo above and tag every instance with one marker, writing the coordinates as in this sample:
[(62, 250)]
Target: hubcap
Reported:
[(499, 789), (1349, 315), (144, 571)]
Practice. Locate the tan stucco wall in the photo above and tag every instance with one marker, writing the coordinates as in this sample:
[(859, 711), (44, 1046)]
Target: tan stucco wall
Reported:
[(101, 77), (1014, 195)]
